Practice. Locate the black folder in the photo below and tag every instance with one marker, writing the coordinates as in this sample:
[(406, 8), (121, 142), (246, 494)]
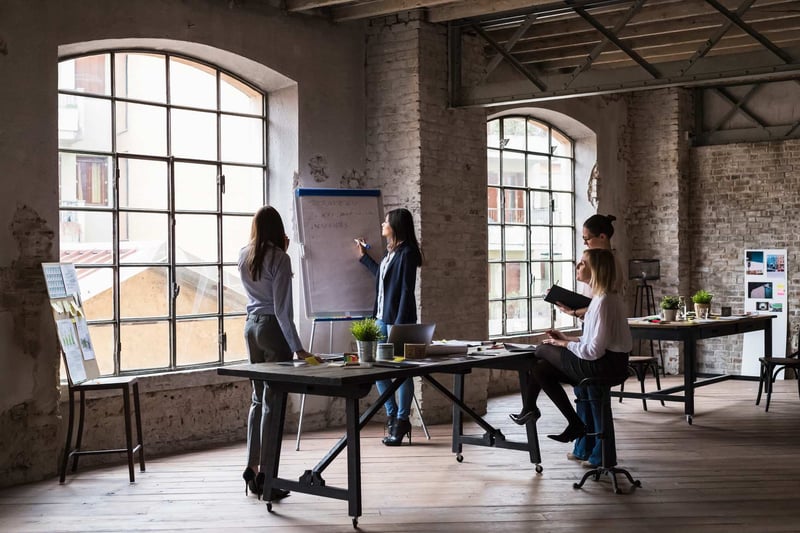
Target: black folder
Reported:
[(569, 298)]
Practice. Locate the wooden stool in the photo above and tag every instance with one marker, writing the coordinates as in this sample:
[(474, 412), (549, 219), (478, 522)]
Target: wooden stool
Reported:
[(603, 385), (125, 384)]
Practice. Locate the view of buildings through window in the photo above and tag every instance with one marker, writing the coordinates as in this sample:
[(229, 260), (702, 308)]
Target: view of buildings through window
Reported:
[(162, 162), (531, 193)]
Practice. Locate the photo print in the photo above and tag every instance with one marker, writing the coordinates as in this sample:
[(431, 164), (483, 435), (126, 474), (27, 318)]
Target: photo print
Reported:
[(759, 289), (776, 307), (776, 264), (755, 262), (762, 306)]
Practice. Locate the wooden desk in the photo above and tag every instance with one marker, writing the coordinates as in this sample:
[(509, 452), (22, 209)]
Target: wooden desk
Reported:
[(355, 383), (689, 332)]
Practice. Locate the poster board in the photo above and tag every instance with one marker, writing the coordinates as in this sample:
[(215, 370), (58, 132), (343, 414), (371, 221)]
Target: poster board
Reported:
[(765, 292), (335, 283), (71, 326)]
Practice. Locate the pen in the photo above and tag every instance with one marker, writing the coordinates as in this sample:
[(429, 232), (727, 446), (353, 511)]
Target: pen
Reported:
[(362, 243)]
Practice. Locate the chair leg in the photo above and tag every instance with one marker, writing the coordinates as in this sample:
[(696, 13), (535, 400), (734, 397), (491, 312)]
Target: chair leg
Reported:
[(640, 375), (68, 443), (126, 412), (79, 441), (761, 379), (770, 383), (138, 425), (658, 383)]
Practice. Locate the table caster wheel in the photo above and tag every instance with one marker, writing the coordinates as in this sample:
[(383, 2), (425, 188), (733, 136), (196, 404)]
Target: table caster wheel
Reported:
[(637, 483), (539, 469), (689, 419), (459, 458), (575, 486), (617, 491), (269, 507), (355, 523)]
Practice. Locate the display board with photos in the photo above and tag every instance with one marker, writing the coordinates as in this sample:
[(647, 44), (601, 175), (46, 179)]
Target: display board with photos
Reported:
[(71, 326)]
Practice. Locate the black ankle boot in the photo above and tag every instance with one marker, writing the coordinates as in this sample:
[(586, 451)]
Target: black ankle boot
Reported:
[(390, 422), (572, 432), (400, 429)]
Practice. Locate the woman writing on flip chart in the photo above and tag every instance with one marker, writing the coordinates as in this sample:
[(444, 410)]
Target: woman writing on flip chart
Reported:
[(270, 333), (601, 351), (396, 279)]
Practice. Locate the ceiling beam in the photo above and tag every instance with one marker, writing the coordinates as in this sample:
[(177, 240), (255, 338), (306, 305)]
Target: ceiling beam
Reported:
[(786, 58), (307, 5), (379, 8), (520, 68), (476, 8)]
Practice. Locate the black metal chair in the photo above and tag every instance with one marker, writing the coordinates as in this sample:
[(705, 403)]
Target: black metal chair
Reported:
[(770, 367), (639, 365), (605, 432)]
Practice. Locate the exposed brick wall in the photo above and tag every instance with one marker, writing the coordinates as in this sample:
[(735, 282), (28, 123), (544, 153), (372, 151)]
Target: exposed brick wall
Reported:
[(742, 196)]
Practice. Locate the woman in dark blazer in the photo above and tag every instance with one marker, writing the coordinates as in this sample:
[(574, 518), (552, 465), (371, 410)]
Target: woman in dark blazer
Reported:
[(396, 279)]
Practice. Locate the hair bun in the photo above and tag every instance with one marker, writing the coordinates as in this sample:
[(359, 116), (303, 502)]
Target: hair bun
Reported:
[(611, 218)]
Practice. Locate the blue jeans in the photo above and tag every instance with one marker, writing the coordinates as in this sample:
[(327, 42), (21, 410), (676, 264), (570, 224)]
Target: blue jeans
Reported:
[(589, 447), (397, 405)]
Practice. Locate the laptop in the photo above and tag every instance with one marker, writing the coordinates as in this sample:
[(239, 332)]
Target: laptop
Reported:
[(400, 334)]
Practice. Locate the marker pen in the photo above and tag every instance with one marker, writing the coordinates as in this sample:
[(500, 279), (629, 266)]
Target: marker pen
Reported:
[(362, 243)]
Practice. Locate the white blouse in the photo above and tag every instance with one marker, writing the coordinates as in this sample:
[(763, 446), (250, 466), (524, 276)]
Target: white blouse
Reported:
[(605, 328)]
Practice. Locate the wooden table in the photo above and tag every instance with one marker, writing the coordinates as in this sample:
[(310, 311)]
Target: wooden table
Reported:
[(356, 382), (689, 332)]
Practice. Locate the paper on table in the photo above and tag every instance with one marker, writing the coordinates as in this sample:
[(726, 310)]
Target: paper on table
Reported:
[(513, 347)]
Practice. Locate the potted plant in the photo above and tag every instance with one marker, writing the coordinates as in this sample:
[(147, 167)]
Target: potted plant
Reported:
[(367, 334), (702, 303), (669, 307)]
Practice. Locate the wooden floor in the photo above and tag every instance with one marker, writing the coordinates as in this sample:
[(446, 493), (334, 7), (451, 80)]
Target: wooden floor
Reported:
[(735, 469)]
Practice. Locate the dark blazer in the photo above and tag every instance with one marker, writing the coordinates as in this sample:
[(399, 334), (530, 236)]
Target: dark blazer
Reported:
[(399, 302)]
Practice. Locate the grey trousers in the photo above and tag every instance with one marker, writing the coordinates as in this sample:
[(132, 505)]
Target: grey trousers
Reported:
[(265, 343)]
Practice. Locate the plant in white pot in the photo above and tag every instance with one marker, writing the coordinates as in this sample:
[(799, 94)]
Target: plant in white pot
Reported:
[(702, 303), (367, 334), (669, 307)]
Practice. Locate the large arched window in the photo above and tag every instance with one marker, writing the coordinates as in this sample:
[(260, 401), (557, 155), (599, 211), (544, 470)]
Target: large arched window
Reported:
[(162, 162), (531, 193)]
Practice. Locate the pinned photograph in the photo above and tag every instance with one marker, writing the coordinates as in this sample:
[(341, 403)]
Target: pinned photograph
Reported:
[(754, 260)]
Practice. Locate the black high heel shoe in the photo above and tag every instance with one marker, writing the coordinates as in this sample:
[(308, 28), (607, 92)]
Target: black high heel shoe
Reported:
[(401, 428), (572, 432), (525, 416), (249, 477), (390, 422)]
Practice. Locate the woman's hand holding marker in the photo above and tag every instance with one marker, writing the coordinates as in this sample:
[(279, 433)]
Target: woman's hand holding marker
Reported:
[(362, 246)]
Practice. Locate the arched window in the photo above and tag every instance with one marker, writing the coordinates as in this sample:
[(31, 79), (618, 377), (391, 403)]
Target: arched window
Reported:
[(531, 193), (162, 162)]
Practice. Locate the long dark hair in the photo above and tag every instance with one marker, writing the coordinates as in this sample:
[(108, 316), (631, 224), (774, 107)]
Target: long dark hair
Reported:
[(266, 232), (598, 224), (402, 224)]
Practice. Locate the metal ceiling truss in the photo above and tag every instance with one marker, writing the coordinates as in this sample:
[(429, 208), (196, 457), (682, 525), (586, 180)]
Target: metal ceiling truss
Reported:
[(582, 47)]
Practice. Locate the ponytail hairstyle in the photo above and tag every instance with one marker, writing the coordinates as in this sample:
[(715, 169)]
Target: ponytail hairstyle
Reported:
[(600, 224), (402, 224), (266, 232)]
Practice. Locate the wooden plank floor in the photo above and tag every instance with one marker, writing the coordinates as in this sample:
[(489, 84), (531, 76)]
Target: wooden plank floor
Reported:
[(735, 469)]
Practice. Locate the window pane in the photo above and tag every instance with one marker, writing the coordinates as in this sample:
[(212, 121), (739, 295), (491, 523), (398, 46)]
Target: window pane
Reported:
[(562, 209), (563, 243), (234, 296), (564, 320), (197, 341), (242, 140), (195, 238), (513, 169), (541, 313), (143, 292), (516, 280), (514, 206), (84, 123), (565, 274), (144, 345), (244, 189), (561, 145), (86, 232), (234, 335), (87, 74), (235, 234), (142, 184), (102, 336), (198, 290), (562, 174), (516, 248), (538, 176), (194, 134), (97, 292), (541, 278), (85, 180), (495, 280), (495, 318), (540, 242), (538, 140), (494, 205), (493, 167), (239, 97), (514, 133), (143, 237), (516, 316), (192, 84), (540, 207), (195, 187), (141, 129), (141, 76), (493, 133), (495, 243)]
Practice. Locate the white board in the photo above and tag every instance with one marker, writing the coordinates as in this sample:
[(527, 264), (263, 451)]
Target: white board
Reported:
[(335, 283), (766, 291)]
